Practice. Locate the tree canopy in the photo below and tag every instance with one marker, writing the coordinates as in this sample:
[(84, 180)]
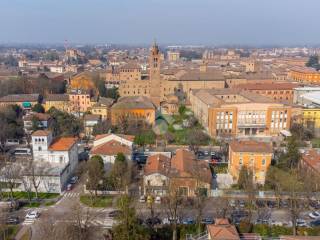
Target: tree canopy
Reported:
[(38, 108), (313, 62)]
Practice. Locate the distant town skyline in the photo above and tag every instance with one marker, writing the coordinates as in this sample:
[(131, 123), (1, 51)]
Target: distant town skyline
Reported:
[(208, 22)]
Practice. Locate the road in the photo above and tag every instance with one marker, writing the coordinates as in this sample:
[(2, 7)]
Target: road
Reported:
[(64, 211)]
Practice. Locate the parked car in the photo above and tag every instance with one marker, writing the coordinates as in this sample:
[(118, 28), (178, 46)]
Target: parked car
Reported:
[(188, 220), (315, 223), (142, 199), (207, 220), (314, 215), (69, 187), (153, 221), (12, 221), (32, 214), (242, 203), (232, 203), (157, 200), (271, 204), (301, 223), (115, 213), (74, 179)]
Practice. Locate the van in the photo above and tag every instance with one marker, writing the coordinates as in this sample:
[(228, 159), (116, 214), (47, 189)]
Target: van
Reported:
[(12, 142), (22, 151)]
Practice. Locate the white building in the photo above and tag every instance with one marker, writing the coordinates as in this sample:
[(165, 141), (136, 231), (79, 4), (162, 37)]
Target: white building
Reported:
[(109, 145), (55, 159), (57, 69), (300, 93)]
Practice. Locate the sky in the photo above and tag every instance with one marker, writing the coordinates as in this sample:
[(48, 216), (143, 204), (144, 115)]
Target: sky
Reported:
[(209, 22)]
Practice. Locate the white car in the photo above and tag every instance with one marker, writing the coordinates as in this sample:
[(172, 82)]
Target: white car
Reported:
[(32, 215), (301, 223), (157, 200), (314, 215), (142, 199)]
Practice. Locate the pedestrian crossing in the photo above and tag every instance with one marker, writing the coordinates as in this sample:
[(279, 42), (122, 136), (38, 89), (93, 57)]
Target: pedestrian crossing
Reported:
[(105, 223), (28, 221), (71, 194)]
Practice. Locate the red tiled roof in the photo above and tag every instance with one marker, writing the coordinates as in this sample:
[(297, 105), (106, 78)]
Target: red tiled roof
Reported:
[(41, 133), (39, 116), (250, 146), (223, 232), (62, 144), (111, 148), (157, 163), (268, 86), (312, 159)]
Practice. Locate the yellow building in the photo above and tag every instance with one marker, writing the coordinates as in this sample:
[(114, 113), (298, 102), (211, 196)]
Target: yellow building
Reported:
[(304, 75), (58, 101), (238, 113), (134, 109), (102, 108), (256, 156), (311, 119)]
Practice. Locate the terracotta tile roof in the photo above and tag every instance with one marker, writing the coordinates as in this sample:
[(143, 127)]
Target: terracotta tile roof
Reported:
[(20, 98), (127, 137), (41, 133), (62, 144), (223, 232), (268, 86), (312, 159), (57, 97), (250, 146), (134, 102), (185, 164), (39, 116), (111, 148), (157, 163), (304, 70), (221, 221)]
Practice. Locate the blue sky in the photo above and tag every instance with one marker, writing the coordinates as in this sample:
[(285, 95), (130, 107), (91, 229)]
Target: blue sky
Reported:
[(169, 21)]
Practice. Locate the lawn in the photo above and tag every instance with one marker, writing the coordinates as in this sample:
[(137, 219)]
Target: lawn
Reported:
[(50, 203), (99, 201), (32, 205), (24, 195), (10, 231)]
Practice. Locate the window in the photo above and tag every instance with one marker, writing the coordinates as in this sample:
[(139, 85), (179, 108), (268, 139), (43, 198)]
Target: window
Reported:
[(61, 159), (183, 191), (39, 148), (240, 161), (263, 162)]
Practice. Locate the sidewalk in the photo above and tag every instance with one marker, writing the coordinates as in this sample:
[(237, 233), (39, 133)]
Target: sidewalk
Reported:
[(24, 231)]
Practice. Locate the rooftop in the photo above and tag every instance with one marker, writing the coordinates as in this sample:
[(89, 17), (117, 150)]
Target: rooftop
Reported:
[(62, 144), (268, 86), (41, 133), (110, 148), (312, 159), (20, 98), (251, 146), (134, 102), (57, 97)]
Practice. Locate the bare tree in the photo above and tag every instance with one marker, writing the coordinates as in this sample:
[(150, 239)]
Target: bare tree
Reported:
[(11, 173), (173, 204)]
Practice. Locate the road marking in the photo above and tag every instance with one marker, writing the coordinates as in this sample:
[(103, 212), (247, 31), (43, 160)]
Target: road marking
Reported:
[(71, 195), (28, 221)]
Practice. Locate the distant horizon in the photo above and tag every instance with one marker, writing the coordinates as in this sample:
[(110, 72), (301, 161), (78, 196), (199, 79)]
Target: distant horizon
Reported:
[(127, 22)]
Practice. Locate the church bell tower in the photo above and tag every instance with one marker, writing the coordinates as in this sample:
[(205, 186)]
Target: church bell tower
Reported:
[(154, 74)]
